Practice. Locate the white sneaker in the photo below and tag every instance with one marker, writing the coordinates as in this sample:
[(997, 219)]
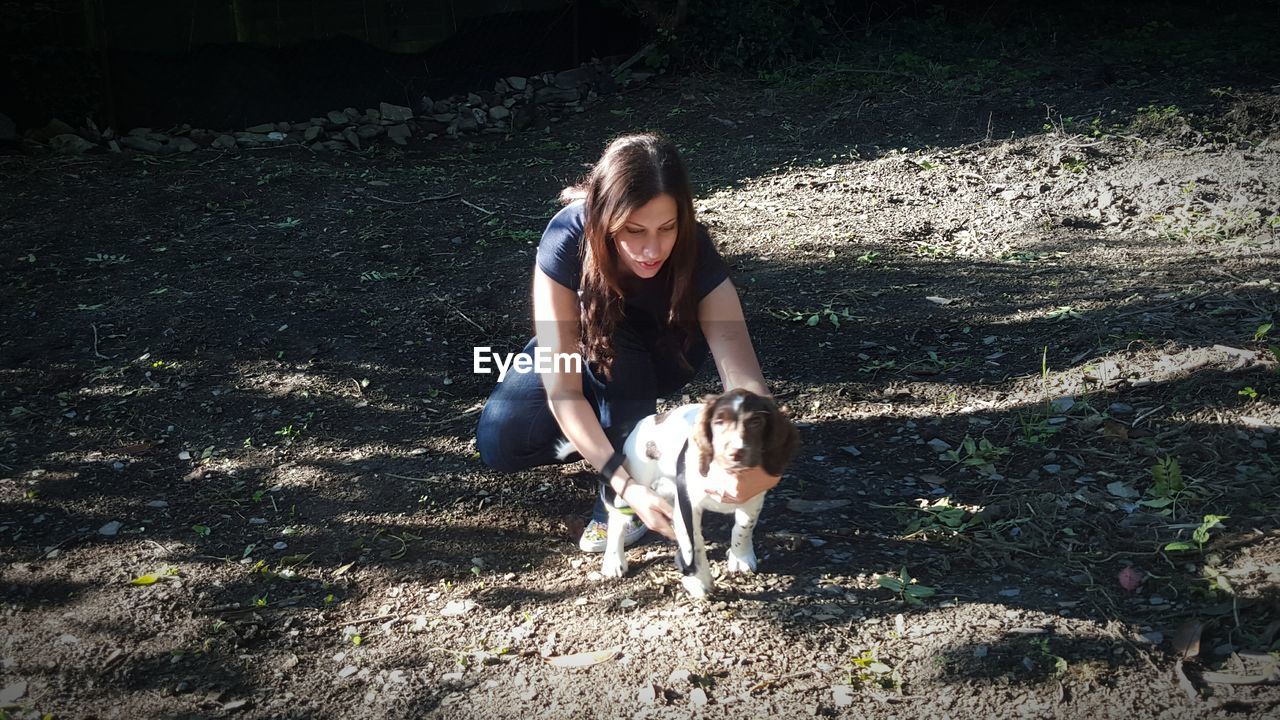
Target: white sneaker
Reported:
[(595, 535)]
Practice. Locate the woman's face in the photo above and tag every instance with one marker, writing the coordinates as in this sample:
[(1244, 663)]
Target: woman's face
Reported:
[(647, 236)]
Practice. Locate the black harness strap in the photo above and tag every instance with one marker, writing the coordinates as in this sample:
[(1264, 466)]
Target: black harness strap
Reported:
[(684, 515)]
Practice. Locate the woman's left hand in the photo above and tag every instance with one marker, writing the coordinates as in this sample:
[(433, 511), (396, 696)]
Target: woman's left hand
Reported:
[(735, 488)]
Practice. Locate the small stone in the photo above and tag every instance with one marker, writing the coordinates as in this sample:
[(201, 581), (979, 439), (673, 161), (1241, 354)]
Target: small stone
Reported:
[(841, 695), (311, 133), (1010, 592), (280, 546), (648, 694), (1052, 469), (337, 117), (224, 142), (70, 144), (1119, 408), (980, 651), (1157, 600), (698, 697), (368, 132), (678, 676), (451, 677), (262, 128), (184, 145), (117, 466), (276, 136), (12, 692), (257, 521), (394, 113), (939, 445), (141, 143), (234, 705), (351, 137), (158, 504), (851, 451), (111, 529), (1062, 404), (399, 134), (517, 83), (499, 112), (1008, 195), (457, 607), (348, 671)]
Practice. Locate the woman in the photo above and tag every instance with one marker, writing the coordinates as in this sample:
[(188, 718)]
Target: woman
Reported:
[(626, 277)]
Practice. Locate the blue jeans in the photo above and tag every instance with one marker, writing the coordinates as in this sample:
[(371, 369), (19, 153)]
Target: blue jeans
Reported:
[(517, 430)]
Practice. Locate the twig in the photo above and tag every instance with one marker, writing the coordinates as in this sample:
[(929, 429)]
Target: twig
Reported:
[(415, 479), (361, 621), (464, 316), (477, 207), (1147, 414), (1159, 307), (95, 343), (415, 202)]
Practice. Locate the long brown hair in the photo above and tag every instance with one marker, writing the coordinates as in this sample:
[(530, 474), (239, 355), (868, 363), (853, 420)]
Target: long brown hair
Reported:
[(633, 170)]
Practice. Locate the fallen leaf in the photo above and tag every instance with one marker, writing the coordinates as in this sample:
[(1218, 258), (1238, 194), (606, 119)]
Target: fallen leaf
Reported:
[(343, 570), (941, 300), (585, 659), (1115, 429), (1186, 641), (144, 580), (1122, 490)]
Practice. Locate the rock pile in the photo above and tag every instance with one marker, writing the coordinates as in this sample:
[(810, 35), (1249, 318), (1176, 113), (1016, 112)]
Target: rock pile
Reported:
[(513, 104)]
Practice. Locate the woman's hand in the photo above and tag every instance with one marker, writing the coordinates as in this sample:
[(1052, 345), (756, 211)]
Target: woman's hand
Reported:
[(653, 511), (736, 488)]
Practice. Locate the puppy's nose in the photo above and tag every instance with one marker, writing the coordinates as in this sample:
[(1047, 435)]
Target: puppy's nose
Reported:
[(737, 454)]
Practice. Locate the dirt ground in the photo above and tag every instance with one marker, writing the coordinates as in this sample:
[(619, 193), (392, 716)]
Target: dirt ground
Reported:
[(1027, 336)]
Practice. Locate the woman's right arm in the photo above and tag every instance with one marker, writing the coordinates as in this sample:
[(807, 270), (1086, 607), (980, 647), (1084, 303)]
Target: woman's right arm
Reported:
[(556, 318)]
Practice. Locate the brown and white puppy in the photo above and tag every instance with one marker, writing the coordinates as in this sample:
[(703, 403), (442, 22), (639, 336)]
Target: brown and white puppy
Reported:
[(679, 453)]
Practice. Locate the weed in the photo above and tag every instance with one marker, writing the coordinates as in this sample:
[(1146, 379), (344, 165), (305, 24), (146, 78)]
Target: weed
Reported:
[(1248, 392), (980, 455), (906, 587), (1063, 312), (1044, 657), (1036, 430), (105, 259), (1199, 536), (288, 223), (941, 518), (868, 669), (868, 259), (813, 317), (1261, 332), (1167, 487)]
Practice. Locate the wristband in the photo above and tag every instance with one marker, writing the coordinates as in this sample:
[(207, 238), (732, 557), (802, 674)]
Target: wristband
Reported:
[(610, 467)]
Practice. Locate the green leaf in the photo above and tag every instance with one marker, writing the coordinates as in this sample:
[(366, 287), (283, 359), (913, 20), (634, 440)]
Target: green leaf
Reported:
[(890, 582), (201, 530), (920, 591), (144, 580), (1156, 503), (813, 320), (1180, 546)]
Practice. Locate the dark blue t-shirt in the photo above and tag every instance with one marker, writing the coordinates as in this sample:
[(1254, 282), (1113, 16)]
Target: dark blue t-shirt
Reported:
[(648, 305)]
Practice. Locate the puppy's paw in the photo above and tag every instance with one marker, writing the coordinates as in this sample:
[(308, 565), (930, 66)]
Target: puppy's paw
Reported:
[(696, 586), (742, 563), (614, 565)]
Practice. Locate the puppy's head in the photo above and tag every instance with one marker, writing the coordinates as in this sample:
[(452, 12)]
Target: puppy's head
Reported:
[(740, 430)]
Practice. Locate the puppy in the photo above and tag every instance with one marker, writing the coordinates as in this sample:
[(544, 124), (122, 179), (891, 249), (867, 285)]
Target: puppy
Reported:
[(678, 453)]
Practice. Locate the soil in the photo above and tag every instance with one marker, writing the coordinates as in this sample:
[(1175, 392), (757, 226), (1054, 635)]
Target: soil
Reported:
[(239, 472)]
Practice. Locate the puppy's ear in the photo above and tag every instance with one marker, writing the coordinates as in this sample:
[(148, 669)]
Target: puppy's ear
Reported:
[(781, 442), (702, 434)]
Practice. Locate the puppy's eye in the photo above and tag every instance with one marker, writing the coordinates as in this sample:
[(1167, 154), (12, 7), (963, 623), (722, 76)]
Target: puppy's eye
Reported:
[(755, 421)]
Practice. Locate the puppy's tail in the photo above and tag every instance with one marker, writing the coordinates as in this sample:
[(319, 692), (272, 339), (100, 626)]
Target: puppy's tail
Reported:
[(565, 450)]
